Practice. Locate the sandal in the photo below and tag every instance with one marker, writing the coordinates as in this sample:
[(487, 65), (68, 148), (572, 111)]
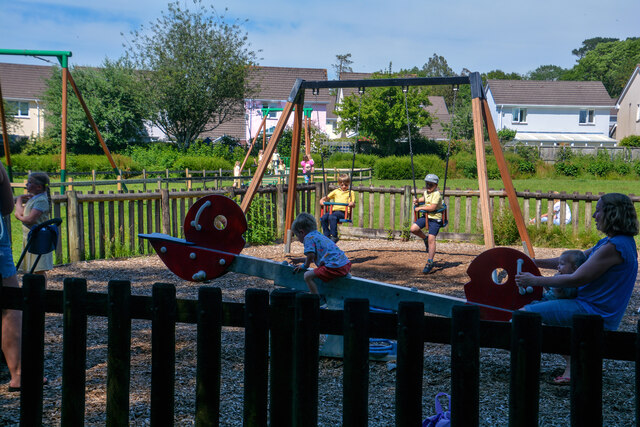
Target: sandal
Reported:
[(561, 380)]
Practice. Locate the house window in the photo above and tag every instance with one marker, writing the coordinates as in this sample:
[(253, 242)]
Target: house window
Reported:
[(638, 113), (587, 116), (273, 114), (519, 115), (18, 108)]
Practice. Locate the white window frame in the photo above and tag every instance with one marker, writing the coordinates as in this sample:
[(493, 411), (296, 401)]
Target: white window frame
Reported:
[(274, 114), (519, 115), (638, 113), (20, 107), (587, 116)]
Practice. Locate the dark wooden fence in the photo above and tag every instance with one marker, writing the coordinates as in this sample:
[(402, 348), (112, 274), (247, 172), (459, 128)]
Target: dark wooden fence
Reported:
[(282, 354)]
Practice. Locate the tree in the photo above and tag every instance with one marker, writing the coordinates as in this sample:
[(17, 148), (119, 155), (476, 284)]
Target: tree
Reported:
[(501, 75), (611, 63), (10, 112), (113, 99), (590, 44), (437, 66), (196, 66), (547, 72), (343, 64), (383, 116)]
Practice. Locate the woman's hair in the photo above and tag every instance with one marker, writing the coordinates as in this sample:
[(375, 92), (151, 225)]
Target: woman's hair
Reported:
[(42, 179), (304, 222), (344, 178), (618, 215), (305, 158)]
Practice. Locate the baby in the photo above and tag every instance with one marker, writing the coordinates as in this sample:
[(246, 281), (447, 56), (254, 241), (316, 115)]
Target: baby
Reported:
[(568, 263)]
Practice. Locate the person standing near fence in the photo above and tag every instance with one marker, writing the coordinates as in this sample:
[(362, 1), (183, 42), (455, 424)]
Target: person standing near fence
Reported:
[(236, 174), (11, 319), (32, 209), (605, 281)]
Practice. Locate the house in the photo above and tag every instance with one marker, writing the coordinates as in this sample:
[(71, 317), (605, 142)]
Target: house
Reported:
[(273, 87), (551, 113), (628, 105), (23, 86), (22, 89), (438, 108)]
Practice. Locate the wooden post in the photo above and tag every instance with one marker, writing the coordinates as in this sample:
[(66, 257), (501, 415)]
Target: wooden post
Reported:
[(280, 210), (188, 175), (144, 178), (93, 180), (293, 175), (165, 208), (483, 181), (76, 236), (506, 179), (266, 158), (262, 127)]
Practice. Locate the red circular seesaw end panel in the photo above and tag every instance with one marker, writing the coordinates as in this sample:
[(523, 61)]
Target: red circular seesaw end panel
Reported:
[(213, 222), (499, 265)]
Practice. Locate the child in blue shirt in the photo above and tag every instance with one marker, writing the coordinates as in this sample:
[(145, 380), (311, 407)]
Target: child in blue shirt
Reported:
[(331, 262)]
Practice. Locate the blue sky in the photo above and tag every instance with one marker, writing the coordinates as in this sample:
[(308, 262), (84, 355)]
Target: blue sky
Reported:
[(481, 36)]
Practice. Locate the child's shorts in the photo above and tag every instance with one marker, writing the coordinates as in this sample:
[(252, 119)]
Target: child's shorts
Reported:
[(327, 274), (434, 225)]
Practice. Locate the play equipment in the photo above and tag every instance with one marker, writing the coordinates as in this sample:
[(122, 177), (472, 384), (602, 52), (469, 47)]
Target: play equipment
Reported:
[(213, 241), (481, 116), (41, 240), (63, 58)]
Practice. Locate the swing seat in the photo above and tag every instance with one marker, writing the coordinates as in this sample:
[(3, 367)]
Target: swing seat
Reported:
[(42, 239), (328, 208), (443, 210)]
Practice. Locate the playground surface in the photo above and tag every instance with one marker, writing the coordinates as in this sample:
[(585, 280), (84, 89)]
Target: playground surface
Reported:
[(395, 262)]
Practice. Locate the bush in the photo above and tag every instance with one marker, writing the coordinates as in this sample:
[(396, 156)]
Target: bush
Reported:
[(464, 166), (630, 141), (506, 134), (393, 167), (41, 145), (565, 154), (429, 163), (44, 163), (505, 230), (567, 169), (201, 163), (260, 229), (154, 156), (622, 168), (601, 166), (636, 167)]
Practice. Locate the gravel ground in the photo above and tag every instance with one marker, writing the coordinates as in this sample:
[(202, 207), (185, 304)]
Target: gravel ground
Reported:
[(391, 261)]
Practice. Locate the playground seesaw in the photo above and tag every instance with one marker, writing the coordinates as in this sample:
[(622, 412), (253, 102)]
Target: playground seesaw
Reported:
[(213, 229)]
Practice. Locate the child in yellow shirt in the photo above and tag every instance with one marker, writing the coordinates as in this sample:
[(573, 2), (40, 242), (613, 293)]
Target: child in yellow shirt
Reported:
[(431, 203), (330, 220)]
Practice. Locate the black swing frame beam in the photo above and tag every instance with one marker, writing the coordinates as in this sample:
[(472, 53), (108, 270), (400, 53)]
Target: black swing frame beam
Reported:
[(481, 116)]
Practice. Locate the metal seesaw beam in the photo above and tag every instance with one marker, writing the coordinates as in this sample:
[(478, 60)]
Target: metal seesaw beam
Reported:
[(379, 294)]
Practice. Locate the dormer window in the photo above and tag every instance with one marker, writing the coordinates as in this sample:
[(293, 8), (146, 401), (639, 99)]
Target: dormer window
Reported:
[(587, 117), (519, 115)]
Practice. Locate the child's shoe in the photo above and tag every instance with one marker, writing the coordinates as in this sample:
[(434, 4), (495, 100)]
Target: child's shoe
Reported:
[(334, 239), (323, 303), (428, 267)]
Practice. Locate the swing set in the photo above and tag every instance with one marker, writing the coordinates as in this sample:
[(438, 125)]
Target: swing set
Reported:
[(63, 59), (481, 117)]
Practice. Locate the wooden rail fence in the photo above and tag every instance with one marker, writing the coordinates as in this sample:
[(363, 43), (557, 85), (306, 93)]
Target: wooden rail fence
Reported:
[(98, 226), (281, 354)]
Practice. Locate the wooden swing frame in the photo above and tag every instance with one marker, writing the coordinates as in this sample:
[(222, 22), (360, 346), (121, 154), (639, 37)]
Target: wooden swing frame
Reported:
[(481, 117)]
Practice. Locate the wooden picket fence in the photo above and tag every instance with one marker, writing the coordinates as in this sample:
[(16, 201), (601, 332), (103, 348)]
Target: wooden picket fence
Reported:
[(281, 355), (98, 226)]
